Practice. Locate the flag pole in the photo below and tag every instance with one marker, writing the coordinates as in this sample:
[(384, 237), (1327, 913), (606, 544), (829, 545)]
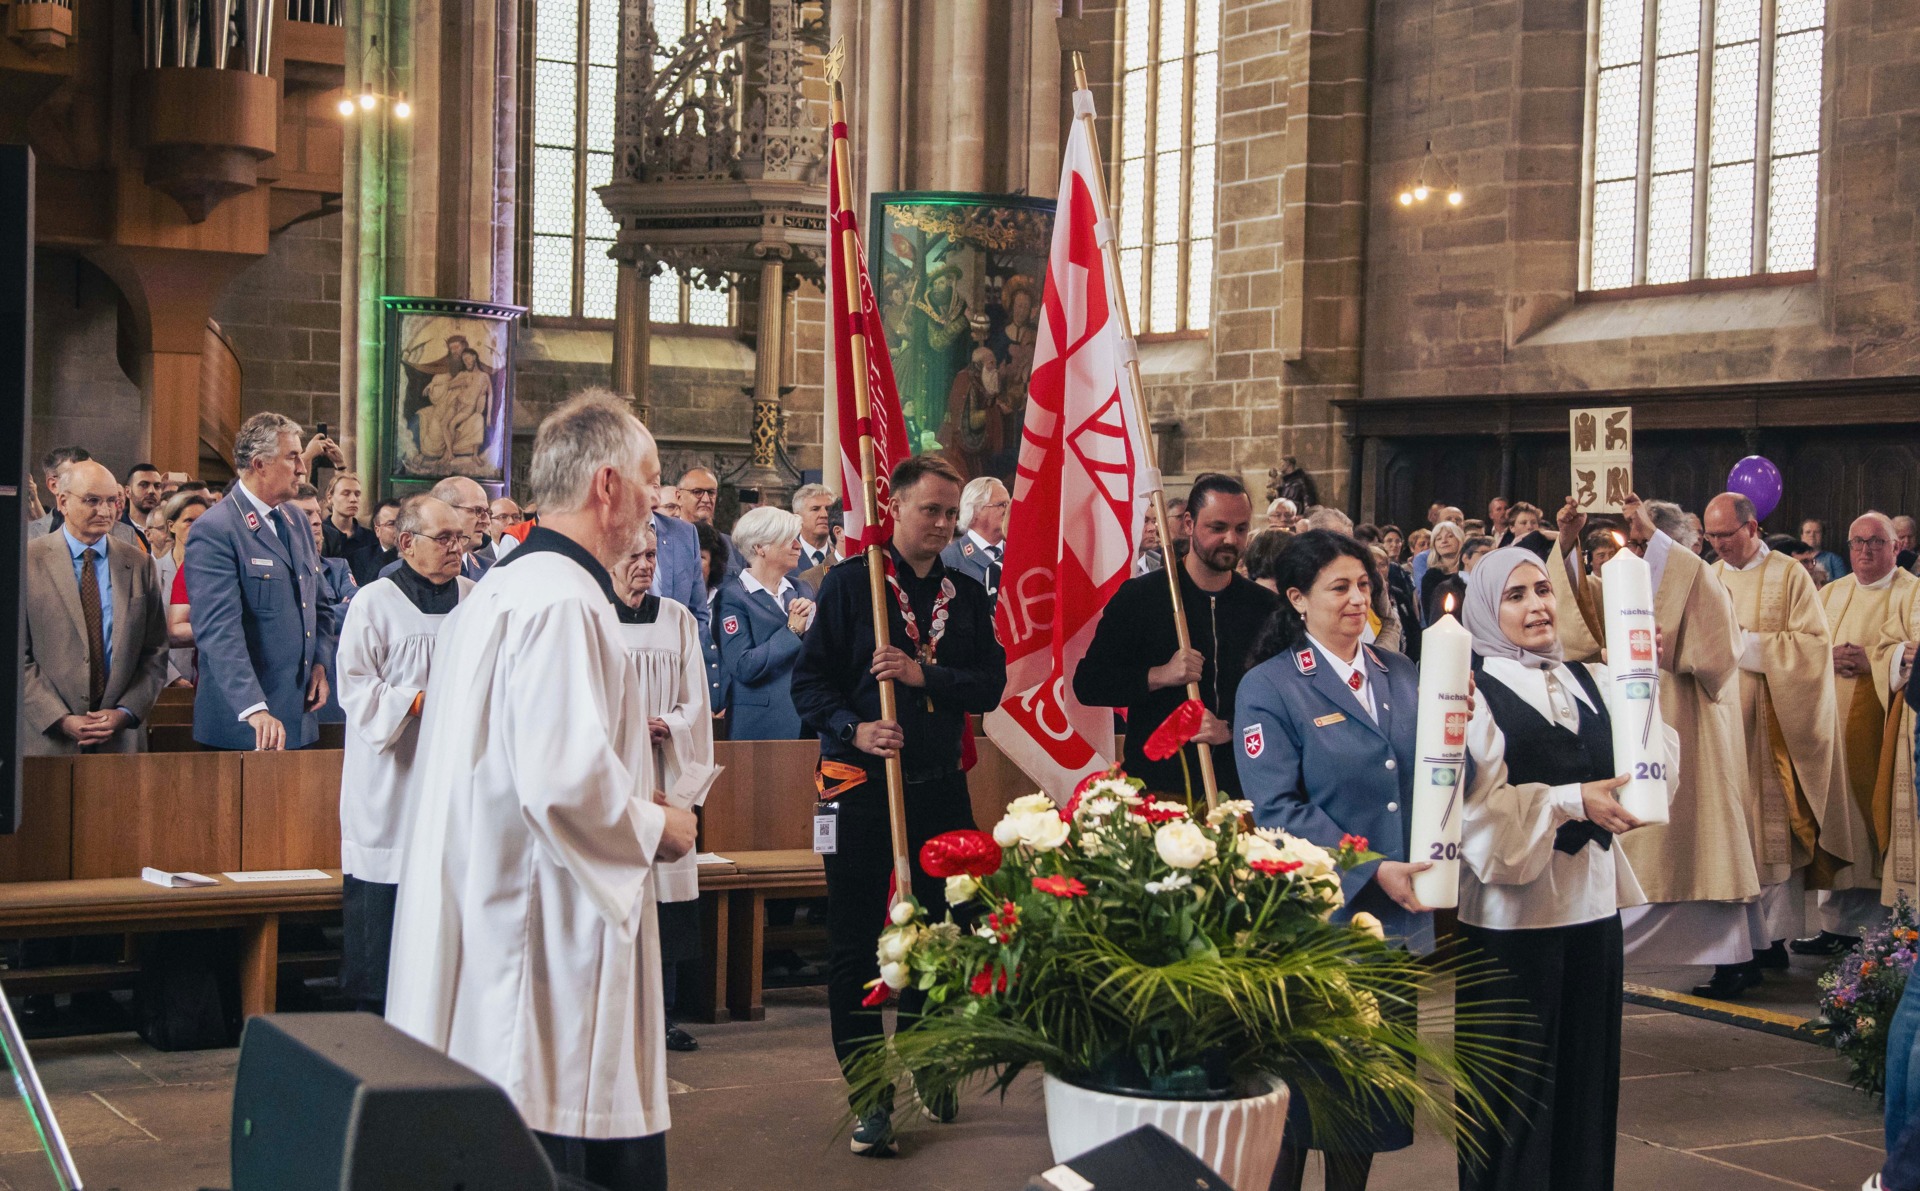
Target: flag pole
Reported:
[(1136, 392), (869, 483)]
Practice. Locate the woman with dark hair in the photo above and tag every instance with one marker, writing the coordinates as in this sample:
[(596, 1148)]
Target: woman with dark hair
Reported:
[(713, 572), (1541, 886), (1325, 725), (1263, 553)]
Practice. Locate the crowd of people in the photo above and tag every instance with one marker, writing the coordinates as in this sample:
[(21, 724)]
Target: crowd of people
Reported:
[(496, 752)]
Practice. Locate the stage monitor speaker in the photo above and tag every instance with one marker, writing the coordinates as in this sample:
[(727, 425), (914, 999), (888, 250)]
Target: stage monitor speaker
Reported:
[(345, 1102), (1146, 1159), (16, 372)]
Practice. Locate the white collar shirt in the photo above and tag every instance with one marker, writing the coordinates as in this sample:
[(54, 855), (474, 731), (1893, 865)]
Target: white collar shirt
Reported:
[(1345, 672)]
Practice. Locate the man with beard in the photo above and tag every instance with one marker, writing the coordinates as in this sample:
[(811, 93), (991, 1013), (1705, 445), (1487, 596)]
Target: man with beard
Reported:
[(1135, 661)]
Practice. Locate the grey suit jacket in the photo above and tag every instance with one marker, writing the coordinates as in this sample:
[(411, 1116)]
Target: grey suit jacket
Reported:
[(677, 573), (56, 646)]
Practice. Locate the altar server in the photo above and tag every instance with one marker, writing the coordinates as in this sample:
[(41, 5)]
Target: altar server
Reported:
[(1323, 730), (664, 641), (385, 655), (1697, 869), (525, 944), (1541, 886)]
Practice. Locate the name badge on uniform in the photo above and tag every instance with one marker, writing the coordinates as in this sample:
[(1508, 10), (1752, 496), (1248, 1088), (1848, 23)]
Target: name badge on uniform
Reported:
[(1329, 720), (826, 830), (261, 562)]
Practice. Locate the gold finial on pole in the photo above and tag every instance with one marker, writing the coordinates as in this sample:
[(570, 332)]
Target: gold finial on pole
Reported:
[(836, 59)]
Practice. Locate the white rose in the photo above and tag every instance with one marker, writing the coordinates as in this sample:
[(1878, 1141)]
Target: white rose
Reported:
[(902, 912), (1182, 844), (1315, 861), (1044, 833), (1030, 804), (895, 976), (1006, 832), (961, 888), (1254, 847), (896, 945), (1367, 922)]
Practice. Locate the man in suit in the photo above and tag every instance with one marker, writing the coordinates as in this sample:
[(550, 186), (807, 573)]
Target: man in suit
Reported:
[(814, 503), (260, 621), (699, 496), (96, 649), (676, 576), (813, 577), (978, 552), (142, 498)]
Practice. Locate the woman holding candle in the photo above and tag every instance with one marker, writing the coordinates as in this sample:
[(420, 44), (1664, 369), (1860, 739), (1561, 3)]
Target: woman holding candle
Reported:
[(1325, 730), (1541, 887)]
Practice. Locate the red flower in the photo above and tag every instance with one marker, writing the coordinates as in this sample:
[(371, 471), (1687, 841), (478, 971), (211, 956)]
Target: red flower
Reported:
[(1003, 922), (876, 996), (1159, 812), (1060, 886), (1274, 868), (1183, 725), (1357, 842), (954, 853), (988, 980)]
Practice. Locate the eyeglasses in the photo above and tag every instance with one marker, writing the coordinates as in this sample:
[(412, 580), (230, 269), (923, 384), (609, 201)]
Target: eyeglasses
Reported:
[(480, 512), (449, 541), (510, 518), (701, 491), (95, 503), (1870, 543), (1723, 537), (998, 504)]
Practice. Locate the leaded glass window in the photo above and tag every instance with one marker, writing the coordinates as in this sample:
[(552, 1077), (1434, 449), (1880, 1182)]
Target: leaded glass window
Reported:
[(575, 88), (1705, 144), (1169, 103)]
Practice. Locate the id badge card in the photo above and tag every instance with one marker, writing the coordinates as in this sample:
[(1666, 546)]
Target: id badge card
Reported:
[(826, 829)]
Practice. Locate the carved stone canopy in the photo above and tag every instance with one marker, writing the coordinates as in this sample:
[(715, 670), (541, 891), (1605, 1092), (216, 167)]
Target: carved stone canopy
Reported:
[(714, 229)]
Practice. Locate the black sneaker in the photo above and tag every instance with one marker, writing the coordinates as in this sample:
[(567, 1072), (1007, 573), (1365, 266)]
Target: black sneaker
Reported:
[(1826, 944), (939, 1107), (678, 1039), (873, 1135)]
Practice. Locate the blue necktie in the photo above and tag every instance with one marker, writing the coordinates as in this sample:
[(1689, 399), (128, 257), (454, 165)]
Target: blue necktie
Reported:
[(280, 527)]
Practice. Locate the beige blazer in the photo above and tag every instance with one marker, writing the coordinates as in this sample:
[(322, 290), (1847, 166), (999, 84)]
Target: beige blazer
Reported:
[(56, 647)]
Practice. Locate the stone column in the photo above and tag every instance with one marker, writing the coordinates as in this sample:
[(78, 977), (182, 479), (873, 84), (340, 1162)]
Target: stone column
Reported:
[(763, 468), (967, 94), (883, 98), (633, 334)]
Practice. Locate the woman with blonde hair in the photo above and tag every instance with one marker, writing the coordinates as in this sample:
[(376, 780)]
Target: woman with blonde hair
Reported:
[(759, 618)]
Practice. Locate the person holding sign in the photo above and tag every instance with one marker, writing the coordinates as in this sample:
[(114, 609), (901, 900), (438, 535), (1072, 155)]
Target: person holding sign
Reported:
[(1324, 730), (1541, 886)]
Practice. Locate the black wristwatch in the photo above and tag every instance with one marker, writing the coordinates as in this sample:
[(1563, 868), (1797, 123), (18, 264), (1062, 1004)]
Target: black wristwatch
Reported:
[(846, 732)]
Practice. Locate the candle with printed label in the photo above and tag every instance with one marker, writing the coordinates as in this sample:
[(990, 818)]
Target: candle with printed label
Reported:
[(1639, 734), (1440, 741)]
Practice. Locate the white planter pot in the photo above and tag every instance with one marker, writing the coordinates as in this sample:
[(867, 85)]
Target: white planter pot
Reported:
[(1238, 1138)]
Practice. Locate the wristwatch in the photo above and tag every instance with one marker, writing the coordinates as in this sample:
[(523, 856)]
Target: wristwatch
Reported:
[(846, 732)]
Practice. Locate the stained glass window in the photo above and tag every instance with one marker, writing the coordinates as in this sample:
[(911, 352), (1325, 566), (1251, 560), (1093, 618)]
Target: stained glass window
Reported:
[(576, 48), (1705, 149), (1169, 104)]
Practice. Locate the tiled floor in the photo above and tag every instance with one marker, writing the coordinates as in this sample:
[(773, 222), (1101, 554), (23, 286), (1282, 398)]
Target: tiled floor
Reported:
[(1703, 1105)]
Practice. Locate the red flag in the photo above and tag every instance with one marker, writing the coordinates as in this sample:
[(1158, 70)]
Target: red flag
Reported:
[(890, 444), (1076, 499)]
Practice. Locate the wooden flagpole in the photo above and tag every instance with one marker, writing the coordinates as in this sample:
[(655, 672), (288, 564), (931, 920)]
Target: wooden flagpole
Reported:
[(1136, 392), (869, 482)]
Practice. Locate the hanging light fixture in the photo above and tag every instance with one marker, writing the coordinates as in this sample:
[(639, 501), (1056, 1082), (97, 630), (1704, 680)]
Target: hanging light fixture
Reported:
[(369, 99), (1431, 176)]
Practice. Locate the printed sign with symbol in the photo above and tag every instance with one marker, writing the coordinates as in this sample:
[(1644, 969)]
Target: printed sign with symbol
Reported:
[(1601, 442)]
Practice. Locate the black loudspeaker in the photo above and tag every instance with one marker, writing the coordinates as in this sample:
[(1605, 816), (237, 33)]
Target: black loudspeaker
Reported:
[(345, 1102), (1143, 1160), (16, 372)]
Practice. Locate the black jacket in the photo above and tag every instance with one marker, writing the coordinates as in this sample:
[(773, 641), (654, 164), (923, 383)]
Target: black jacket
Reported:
[(833, 685), (1136, 633)]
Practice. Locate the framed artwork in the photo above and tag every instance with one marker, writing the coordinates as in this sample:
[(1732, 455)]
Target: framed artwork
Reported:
[(446, 408), (958, 280)]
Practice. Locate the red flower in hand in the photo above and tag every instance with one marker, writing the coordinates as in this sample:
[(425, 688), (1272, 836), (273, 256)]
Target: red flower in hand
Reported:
[(1060, 886), (1275, 868), (1357, 842), (956, 852), (1183, 725), (876, 996)]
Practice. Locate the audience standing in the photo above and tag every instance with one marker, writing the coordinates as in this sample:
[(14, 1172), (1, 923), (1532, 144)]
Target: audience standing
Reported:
[(979, 551), (761, 617)]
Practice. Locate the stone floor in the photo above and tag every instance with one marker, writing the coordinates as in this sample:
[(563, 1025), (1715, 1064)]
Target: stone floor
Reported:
[(1703, 1105)]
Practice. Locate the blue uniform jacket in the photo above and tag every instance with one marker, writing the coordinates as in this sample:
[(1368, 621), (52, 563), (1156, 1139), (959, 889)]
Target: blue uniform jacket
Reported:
[(260, 622), (757, 656), (1315, 765), (677, 574)]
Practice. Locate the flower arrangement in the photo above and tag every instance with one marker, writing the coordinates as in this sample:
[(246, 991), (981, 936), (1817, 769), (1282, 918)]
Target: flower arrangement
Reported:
[(1128, 944), (1859, 993)]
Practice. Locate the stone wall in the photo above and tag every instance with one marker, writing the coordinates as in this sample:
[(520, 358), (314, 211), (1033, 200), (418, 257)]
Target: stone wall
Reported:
[(81, 396), (283, 318)]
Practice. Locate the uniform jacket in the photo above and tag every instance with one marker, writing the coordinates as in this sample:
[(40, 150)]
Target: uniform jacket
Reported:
[(677, 573), (1317, 766), (968, 558), (757, 653), (260, 621), (56, 646)]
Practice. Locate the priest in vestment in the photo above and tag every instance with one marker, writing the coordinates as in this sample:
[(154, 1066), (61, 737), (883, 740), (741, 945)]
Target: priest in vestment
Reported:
[(1697, 869), (1872, 612), (385, 659), (525, 942), (1808, 829)]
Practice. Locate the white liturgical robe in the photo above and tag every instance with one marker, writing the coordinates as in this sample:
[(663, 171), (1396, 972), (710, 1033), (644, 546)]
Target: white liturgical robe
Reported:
[(525, 943), (386, 653), (673, 689)]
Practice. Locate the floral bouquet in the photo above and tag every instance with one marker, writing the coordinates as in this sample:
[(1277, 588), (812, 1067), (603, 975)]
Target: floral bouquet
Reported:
[(1129, 945), (1859, 993)]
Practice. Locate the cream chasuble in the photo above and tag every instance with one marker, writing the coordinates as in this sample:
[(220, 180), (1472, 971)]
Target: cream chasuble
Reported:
[(1875, 723)]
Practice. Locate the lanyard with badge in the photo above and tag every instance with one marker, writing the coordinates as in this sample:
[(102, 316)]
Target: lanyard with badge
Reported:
[(923, 651)]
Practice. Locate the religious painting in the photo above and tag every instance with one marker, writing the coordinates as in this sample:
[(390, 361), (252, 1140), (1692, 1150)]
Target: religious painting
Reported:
[(447, 404), (958, 280), (1601, 445)]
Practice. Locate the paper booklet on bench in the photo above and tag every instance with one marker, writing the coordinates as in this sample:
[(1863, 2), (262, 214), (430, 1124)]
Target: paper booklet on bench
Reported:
[(167, 880), (277, 874)]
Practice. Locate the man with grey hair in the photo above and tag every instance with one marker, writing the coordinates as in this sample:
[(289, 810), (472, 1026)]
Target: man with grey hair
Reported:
[(526, 943), (1670, 519), (469, 500), (262, 627), (814, 505), (1326, 517), (978, 552)]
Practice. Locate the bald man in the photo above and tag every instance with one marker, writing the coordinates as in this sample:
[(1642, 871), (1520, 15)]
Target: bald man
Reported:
[(1873, 613), (469, 500)]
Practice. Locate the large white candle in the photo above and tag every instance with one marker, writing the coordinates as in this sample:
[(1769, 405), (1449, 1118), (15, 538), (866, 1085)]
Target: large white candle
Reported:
[(1439, 783), (1639, 741)]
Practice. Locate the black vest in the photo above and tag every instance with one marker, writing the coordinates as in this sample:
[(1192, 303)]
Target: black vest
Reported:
[(1539, 750)]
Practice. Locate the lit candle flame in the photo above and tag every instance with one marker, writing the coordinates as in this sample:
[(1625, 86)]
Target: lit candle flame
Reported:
[(1618, 540), (1449, 603)]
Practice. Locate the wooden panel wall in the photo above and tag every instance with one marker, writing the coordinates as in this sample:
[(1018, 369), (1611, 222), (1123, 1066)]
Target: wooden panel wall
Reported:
[(290, 809), (42, 850), (168, 810)]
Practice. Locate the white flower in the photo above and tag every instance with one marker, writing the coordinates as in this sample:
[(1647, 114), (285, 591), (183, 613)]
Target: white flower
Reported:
[(1044, 833), (895, 976), (1369, 1005), (1006, 832), (1232, 808), (896, 945), (1111, 787), (1176, 881), (1367, 922), (1182, 844), (1098, 808), (902, 912), (1030, 804), (1032, 821), (945, 932), (1315, 861), (1256, 847), (961, 888)]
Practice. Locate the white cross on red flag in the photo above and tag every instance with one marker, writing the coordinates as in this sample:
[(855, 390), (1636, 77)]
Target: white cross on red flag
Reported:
[(1077, 505), (890, 444)]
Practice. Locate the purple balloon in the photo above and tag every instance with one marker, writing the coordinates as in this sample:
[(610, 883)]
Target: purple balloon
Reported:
[(1757, 479)]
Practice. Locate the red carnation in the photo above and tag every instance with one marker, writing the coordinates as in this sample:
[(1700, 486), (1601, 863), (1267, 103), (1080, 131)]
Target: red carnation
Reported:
[(1159, 812), (988, 980), (1060, 886), (1183, 725), (953, 853), (1357, 842), (1274, 868)]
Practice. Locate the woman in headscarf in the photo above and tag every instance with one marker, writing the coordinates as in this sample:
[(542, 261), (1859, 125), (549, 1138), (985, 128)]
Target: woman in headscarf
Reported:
[(1541, 885)]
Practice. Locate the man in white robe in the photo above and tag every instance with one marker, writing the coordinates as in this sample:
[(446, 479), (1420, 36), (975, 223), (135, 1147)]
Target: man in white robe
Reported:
[(525, 944), (385, 657)]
